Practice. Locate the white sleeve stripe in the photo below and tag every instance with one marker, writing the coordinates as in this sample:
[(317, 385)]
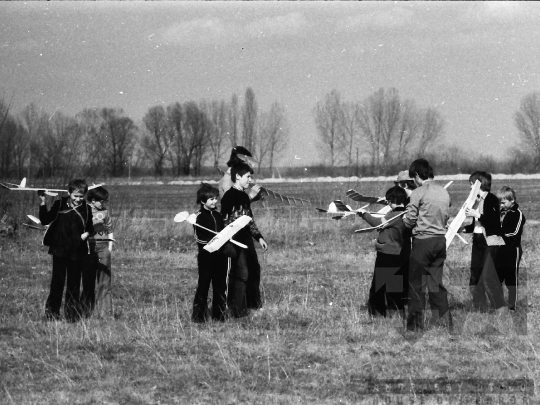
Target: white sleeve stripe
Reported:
[(518, 226)]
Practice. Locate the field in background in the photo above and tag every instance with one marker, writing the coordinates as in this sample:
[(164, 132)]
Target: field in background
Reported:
[(312, 343)]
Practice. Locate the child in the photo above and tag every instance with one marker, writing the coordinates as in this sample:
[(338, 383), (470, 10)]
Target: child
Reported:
[(71, 224), (427, 215), (213, 267), (246, 272), (405, 182), (487, 238), (100, 258), (239, 154), (390, 277), (509, 255)]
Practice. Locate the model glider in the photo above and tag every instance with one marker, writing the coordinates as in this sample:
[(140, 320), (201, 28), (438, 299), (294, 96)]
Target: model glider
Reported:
[(277, 195), (385, 210), (382, 225), (192, 218), (340, 210), (48, 191), (460, 217), (227, 233)]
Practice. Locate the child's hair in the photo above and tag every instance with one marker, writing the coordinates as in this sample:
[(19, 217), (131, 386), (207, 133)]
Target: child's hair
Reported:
[(240, 169), (98, 194), (420, 167), (396, 195), (408, 184), (205, 192), (506, 193), (77, 185), (484, 178)]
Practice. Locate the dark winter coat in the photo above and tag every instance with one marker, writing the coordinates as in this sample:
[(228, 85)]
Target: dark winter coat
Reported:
[(66, 225)]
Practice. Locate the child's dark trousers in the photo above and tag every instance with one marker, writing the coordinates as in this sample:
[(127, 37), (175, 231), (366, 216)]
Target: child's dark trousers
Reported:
[(388, 286), (507, 263), (210, 272), (65, 271)]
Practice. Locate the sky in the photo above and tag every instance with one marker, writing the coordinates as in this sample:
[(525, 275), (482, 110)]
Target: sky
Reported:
[(472, 61)]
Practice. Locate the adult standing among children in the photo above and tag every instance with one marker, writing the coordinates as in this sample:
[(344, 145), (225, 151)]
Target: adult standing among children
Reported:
[(427, 215), (239, 154)]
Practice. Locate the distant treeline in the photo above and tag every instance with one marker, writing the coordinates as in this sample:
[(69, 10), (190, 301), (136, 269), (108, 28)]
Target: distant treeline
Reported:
[(378, 136)]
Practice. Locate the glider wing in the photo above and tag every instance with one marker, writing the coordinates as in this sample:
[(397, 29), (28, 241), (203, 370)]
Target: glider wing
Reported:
[(227, 233)]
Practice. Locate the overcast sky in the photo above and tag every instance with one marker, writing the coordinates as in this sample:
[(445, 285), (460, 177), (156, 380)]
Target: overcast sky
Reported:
[(473, 61)]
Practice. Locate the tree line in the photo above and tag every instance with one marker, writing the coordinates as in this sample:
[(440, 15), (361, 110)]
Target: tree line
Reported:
[(390, 131), (375, 136), (179, 138)]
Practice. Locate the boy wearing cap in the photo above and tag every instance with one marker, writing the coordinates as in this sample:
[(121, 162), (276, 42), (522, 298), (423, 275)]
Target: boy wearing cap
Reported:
[(405, 182)]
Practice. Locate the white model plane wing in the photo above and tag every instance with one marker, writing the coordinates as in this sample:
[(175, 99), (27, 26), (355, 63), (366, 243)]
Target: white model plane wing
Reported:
[(49, 191), (227, 233), (460, 217), (384, 224)]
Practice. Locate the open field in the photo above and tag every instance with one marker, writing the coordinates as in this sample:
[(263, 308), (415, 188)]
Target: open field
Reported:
[(313, 341)]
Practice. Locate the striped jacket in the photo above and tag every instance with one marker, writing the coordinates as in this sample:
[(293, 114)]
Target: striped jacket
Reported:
[(512, 222)]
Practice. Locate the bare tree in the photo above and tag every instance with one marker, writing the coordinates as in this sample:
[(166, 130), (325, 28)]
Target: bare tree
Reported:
[(233, 118), (157, 141), (21, 148), (407, 131), (432, 130), (249, 119), (175, 128), (371, 116), (216, 112), (8, 138), (527, 120), (329, 122), (273, 135), (121, 134), (350, 130)]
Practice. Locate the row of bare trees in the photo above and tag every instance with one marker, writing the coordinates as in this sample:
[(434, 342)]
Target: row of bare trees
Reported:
[(385, 128), (179, 138)]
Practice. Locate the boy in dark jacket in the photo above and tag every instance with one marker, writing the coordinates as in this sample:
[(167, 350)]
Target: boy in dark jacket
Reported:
[(70, 221), (509, 255), (487, 240), (246, 271), (213, 267), (390, 278)]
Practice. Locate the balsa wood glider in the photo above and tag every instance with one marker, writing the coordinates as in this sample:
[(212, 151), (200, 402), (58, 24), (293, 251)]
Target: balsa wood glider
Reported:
[(277, 195), (48, 191), (192, 218), (227, 233), (460, 217), (340, 210), (382, 225), (385, 210)]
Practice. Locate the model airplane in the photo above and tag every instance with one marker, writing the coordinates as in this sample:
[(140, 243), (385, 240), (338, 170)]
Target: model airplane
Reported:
[(340, 210), (185, 216), (48, 191), (382, 225), (460, 217), (274, 194)]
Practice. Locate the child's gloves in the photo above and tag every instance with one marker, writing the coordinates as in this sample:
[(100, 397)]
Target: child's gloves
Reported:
[(228, 250)]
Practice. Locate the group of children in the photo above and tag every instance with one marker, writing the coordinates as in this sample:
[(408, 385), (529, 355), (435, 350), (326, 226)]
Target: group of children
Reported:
[(234, 272), (411, 248), (79, 237)]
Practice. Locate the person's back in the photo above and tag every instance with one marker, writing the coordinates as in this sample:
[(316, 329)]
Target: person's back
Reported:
[(428, 210), (427, 214)]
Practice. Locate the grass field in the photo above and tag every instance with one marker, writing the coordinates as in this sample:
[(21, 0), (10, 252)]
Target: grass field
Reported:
[(313, 341)]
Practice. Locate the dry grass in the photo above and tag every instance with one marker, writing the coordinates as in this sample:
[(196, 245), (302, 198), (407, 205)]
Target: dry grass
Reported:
[(309, 344)]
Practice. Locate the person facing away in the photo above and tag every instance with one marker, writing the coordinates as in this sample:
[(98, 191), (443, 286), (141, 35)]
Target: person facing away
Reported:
[(244, 286), (239, 154), (427, 215), (213, 267), (70, 225), (509, 255), (487, 238), (389, 286), (100, 258)]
